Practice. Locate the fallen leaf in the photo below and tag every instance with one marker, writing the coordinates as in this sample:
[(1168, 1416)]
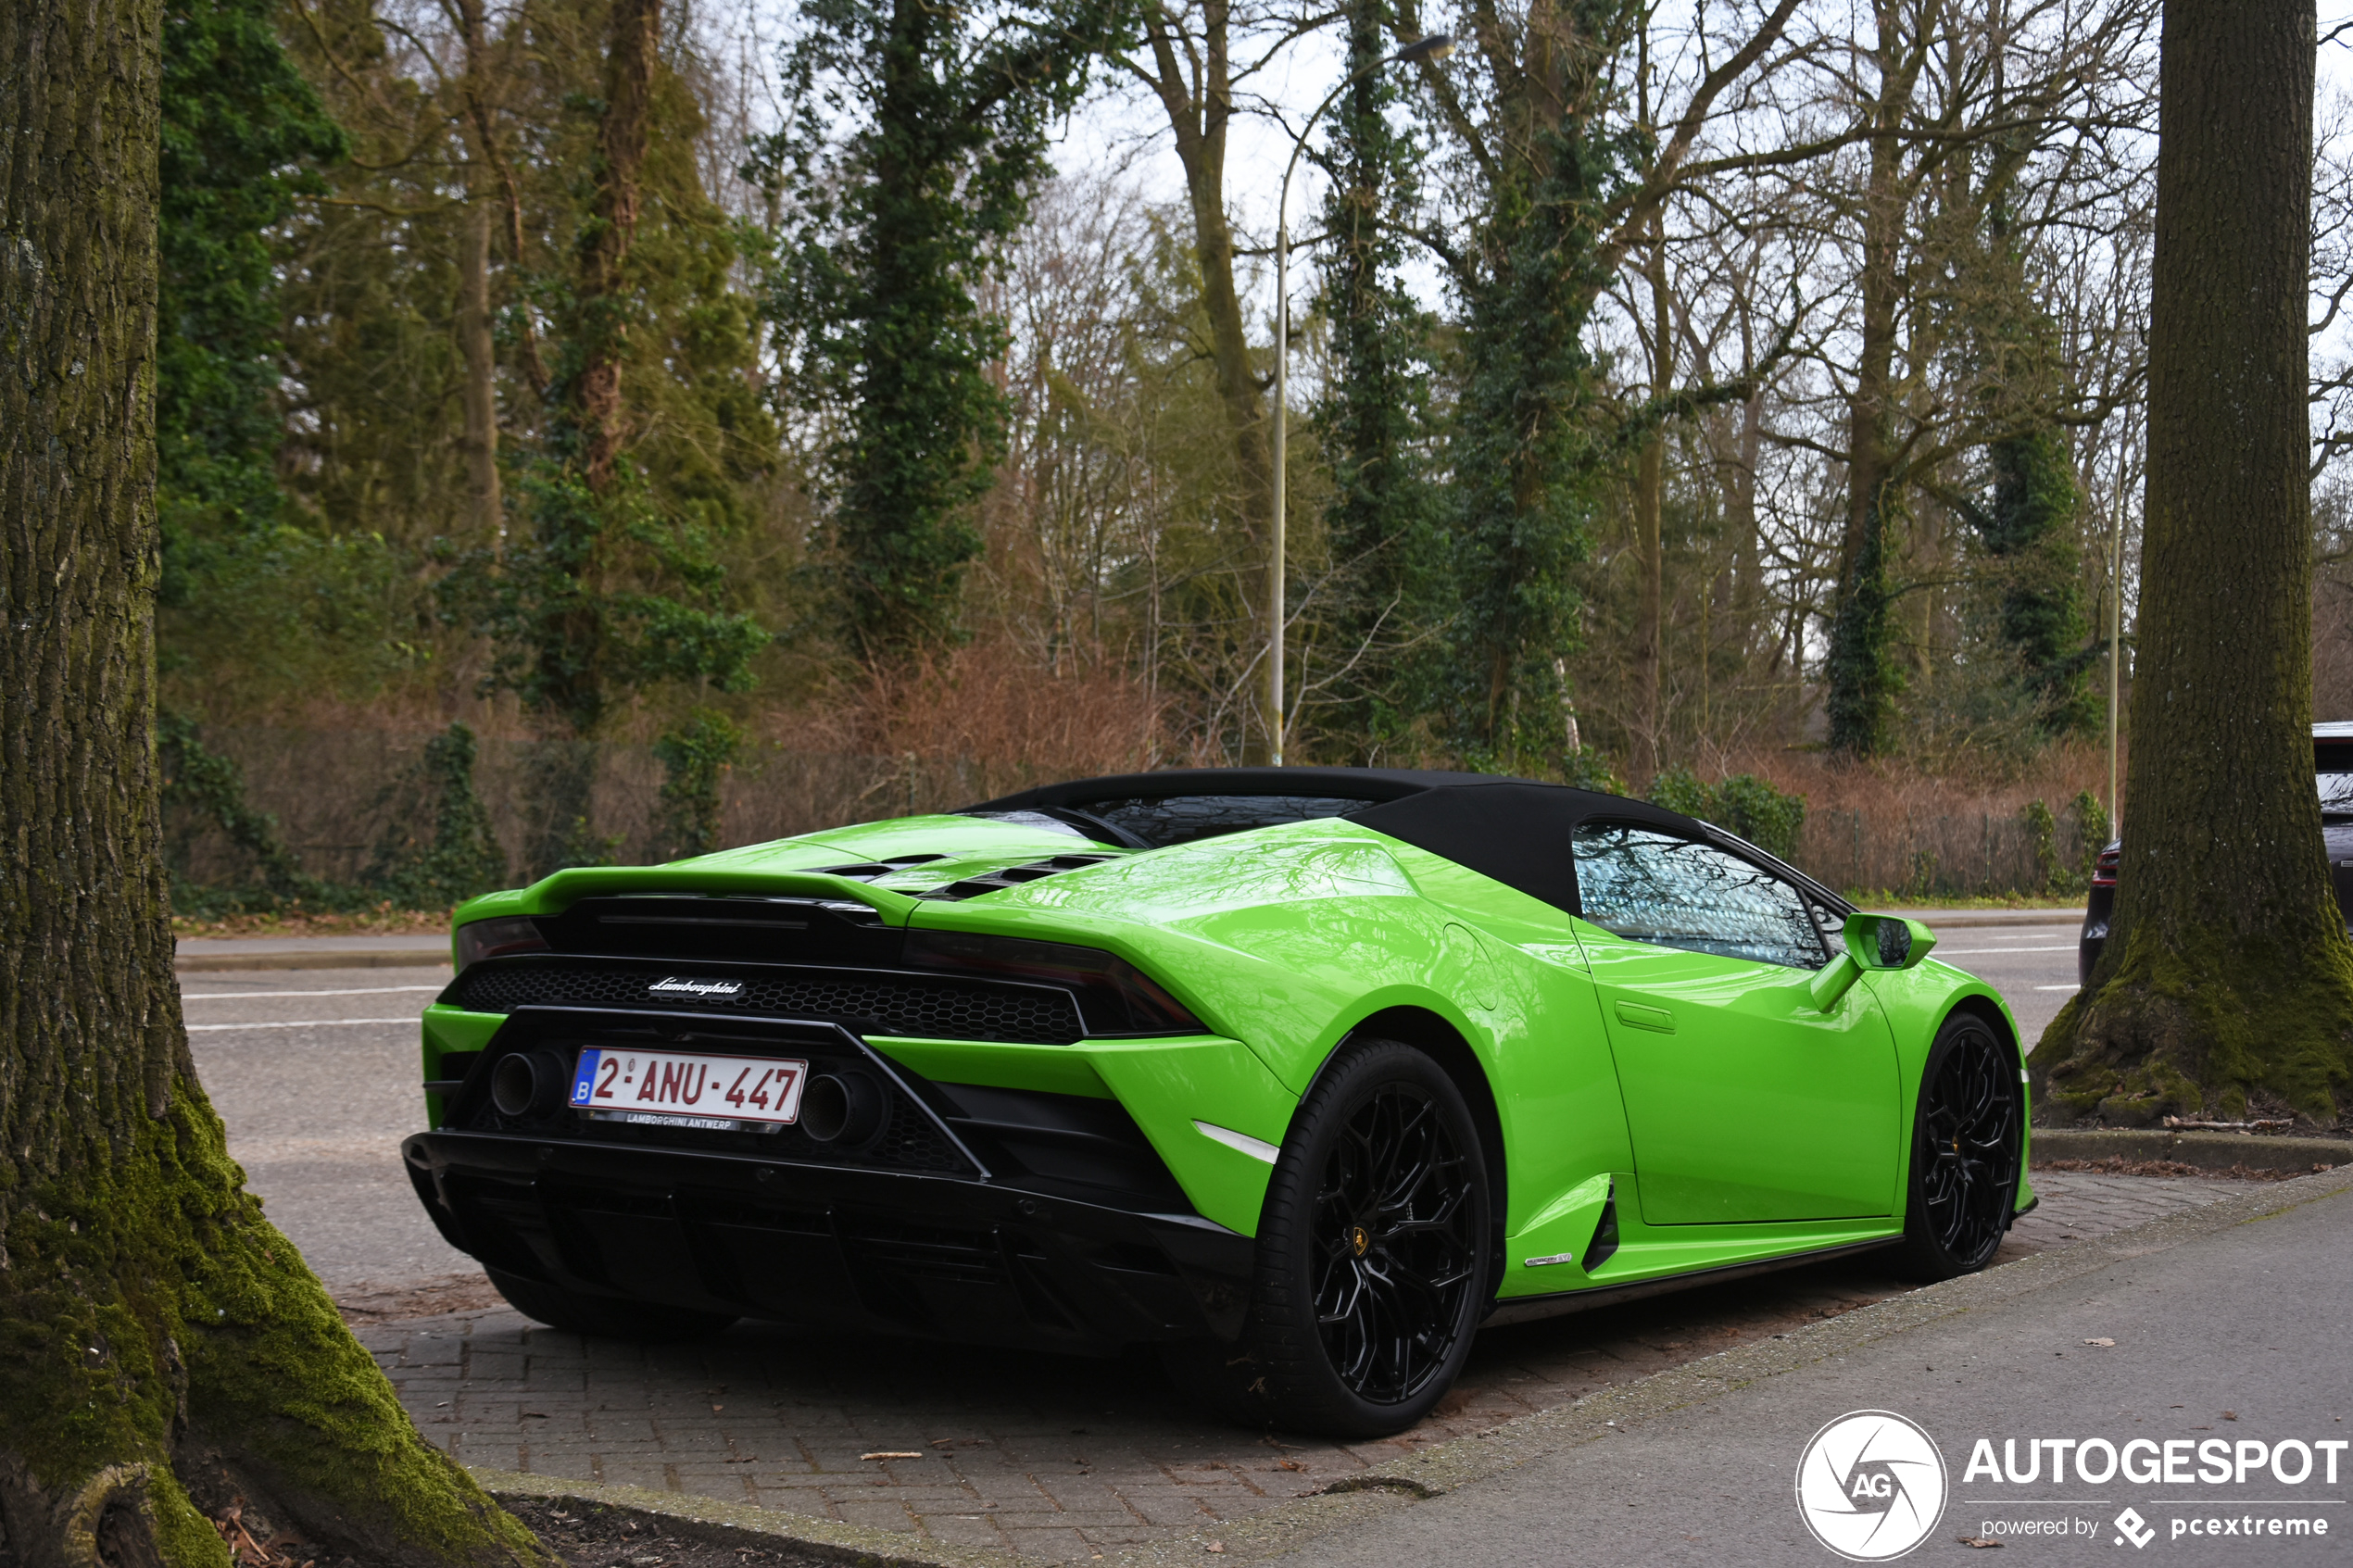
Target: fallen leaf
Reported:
[(1289, 1464), (2229, 1415), (2103, 1343), (892, 1453), (1217, 1546), (1978, 1541)]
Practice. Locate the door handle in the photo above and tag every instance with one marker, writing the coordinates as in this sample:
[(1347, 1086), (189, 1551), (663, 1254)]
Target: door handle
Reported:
[(1641, 1017)]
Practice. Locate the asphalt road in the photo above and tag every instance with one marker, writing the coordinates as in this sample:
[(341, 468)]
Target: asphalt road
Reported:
[(316, 1074), (2032, 966)]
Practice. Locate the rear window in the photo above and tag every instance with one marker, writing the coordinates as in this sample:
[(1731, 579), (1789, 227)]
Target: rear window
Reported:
[(1180, 818), (2333, 761)]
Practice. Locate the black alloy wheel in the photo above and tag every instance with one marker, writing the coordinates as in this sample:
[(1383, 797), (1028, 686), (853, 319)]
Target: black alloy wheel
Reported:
[(1965, 1151), (1376, 1255), (1397, 1254)]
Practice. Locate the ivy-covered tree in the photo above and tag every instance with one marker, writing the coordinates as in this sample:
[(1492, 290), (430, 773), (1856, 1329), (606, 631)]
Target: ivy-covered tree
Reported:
[(1388, 540), (2030, 528), (619, 581), (244, 141), (244, 135), (1562, 182), (917, 135)]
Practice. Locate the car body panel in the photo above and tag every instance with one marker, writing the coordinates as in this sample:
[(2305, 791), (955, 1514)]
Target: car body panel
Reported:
[(1747, 1103), (1917, 1002), (1758, 1130)]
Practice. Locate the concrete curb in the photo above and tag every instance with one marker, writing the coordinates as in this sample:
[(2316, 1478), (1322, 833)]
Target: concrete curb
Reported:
[(1448, 1466), (734, 1525), (2208, 1151), (315, 958)]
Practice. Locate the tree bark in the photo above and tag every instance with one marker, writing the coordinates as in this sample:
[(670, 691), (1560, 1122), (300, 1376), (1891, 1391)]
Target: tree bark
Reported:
[(474, 339), (160, 1344), (1650, 496), (612, 227), (482, 369), (1861, 678), (2227, 973), (1199, 106)]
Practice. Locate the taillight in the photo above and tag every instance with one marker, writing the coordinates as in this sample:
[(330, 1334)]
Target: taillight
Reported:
[(2103, 867), (1114, 997), (483, 939)]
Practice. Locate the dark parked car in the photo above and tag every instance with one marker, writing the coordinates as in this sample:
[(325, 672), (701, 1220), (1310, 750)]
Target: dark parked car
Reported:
[(2331, 762)]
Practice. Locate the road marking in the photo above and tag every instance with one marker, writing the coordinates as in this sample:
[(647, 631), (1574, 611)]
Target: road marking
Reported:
[(247, 996), (2059, 988), (305, 1024), (1955, 952)]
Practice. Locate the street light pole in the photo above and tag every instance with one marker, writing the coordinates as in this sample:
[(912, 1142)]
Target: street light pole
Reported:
[(1437, 46)]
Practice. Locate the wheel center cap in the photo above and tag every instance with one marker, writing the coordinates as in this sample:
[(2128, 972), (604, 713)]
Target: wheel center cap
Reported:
[(1359, 1240)]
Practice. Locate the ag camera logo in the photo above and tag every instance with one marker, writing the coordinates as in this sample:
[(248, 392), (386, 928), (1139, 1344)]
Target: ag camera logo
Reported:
[(1871, 1485)]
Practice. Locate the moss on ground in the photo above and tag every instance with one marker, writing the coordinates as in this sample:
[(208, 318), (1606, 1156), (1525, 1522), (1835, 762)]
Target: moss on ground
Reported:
[(152, 1316)]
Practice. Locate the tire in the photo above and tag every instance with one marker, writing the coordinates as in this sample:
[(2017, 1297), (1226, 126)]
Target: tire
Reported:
[(1375, 1259), (604, 1317), (1966, 1131)]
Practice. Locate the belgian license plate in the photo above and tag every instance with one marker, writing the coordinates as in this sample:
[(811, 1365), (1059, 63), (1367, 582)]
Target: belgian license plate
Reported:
[(721, 1094)]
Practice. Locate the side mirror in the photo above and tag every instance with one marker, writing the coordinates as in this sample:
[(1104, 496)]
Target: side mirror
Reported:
[(1888, 941), (1872, 942)]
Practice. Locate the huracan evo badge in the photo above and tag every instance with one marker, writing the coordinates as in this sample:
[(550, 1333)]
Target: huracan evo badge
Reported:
[(671, 985)]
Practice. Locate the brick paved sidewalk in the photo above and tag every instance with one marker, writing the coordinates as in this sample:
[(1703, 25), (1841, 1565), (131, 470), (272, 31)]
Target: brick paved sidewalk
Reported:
[(1058, 1458)]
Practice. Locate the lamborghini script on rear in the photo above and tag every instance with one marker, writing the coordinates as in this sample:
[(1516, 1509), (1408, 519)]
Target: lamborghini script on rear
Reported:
[(1300, 1075)]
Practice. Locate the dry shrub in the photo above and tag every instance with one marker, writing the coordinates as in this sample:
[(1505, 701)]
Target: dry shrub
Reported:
[(1897, 788), (1891, 830), (989, 705)]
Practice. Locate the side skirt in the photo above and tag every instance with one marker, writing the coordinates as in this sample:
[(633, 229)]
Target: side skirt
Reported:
[(1529, 1308)]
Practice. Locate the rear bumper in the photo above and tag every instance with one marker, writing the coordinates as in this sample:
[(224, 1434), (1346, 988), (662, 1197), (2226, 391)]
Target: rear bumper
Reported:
[(944, 1257)]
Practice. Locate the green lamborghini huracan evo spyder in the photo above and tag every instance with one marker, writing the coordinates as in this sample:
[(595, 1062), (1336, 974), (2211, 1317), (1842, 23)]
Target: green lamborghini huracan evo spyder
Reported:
[(1299, 1075)]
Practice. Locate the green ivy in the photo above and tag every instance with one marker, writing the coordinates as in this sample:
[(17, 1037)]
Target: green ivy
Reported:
[(244, 135), (914, 137), (2091, 831), (1387, 536), (1744, 805), (410, 868), (696, 759), (1862, 675), (2030, 528), (461, 858)]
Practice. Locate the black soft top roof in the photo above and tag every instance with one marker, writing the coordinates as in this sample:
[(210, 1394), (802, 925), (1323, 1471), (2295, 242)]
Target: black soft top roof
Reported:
[(1517, 831)]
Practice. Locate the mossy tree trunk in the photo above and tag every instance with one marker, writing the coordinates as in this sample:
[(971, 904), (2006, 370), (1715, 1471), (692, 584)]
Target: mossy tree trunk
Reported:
[(2227, 972), (162, 1347)]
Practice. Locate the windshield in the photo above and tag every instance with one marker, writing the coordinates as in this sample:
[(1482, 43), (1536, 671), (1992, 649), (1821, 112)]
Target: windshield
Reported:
[(2333, 761)]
